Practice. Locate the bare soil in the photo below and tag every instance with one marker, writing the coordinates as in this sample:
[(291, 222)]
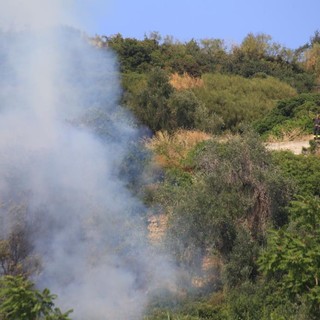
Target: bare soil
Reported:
[(295, 146)]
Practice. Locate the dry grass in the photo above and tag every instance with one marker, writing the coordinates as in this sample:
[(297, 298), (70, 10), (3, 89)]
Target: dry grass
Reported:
[(211, 270), (171, 150), (185, 81), (157, 226)]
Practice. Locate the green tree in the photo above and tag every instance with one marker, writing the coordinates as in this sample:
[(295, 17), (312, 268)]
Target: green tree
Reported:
[(290, 114), (19, 300), (234, 194), (256, 46), (304, 171), (312, 57), (292, 256), (152, 104), (133, 54), (257, 54), (184, 105), (214, 54)]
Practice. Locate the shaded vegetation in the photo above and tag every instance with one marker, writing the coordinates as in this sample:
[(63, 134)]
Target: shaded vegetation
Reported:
[(290, 114)]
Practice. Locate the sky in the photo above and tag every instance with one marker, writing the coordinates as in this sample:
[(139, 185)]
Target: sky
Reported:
[(289, 22)]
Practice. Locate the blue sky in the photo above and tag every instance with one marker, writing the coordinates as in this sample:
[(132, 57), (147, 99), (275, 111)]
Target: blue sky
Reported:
[(289, 22)]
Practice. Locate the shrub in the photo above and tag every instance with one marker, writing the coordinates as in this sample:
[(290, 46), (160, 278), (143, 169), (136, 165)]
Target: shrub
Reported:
[(236, 99), (292, 255), (233, 186), (289, 114), (303, 171), (20, 300)]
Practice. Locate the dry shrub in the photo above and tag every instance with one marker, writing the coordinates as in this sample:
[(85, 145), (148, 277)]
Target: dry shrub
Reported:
[(185, 81), (171, 150)]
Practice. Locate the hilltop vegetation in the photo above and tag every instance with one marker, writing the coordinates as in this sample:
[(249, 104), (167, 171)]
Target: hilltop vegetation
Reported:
[(207, 86), (218, 103), (256, 55)]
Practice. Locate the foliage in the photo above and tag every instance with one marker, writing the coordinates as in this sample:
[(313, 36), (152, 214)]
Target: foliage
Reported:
[(192, 308), (233, 186), (303, 170), (256, 54), (222, 197), (133, 55), (184, 105), (152, 103), (20, 300), (296, 112), (254, 301), (292, 255), (236, 99), (157, 105), (222, 102), (261, 301), (246, 302), (133, 83), (241, 265), (312, 62)]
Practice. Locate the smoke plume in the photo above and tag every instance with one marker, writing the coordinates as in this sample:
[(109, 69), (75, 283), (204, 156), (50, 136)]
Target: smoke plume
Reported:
[(63, 139)]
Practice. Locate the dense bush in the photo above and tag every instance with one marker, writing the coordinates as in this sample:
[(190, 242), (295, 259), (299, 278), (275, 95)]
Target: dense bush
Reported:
[(303, 170), (221, 102), (20, 300), (151, 104), (290, 114), (233, 194), (291, 73), (292, 255), (236, 99), (257, 54)]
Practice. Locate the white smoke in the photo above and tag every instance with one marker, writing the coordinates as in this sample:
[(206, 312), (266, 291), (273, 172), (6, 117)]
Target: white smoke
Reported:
[(63, 139), (35, 13)]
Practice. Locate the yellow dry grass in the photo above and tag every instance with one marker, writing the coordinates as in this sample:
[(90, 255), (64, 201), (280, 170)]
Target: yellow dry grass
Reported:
[(157, 226), (185, 81), (171, 149), (211, 269)]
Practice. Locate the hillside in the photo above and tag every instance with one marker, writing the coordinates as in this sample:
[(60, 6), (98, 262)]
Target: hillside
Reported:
[(188, 192), (229, 194)]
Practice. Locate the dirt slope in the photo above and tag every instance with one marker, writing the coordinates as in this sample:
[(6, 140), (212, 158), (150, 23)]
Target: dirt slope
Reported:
[(294, 146)]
